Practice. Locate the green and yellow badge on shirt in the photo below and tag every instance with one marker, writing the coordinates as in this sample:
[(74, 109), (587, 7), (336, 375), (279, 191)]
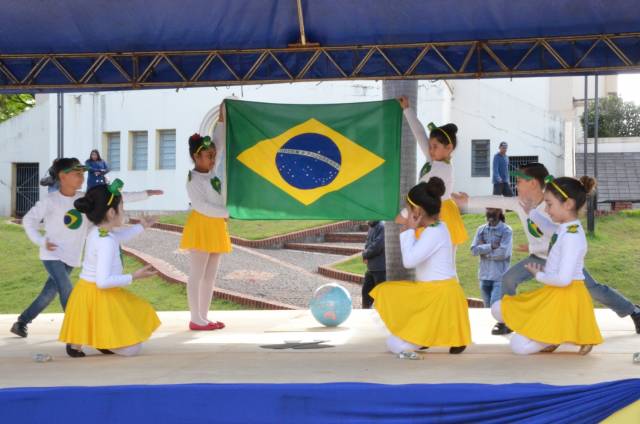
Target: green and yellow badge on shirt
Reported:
[(73, 219)]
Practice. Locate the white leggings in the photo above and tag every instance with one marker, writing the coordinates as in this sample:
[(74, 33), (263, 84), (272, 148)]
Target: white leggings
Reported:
[(397, 345), (202, 277), (132, 350), (520, 344)]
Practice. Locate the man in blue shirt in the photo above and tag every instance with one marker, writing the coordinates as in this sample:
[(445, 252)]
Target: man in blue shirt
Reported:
[(501, 185)]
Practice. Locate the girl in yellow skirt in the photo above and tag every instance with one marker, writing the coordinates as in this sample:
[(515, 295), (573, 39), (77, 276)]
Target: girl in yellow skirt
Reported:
[(205, 233), (438, 149), (562, 310), (431, 311), (100, 313)]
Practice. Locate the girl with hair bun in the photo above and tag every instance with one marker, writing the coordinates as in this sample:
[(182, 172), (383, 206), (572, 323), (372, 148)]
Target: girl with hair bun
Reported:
[(205, 233), (431, 311), (100, 312), (562, 310), (438, 148)]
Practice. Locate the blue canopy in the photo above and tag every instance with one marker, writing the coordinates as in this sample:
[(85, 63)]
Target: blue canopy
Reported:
[(107, 44)]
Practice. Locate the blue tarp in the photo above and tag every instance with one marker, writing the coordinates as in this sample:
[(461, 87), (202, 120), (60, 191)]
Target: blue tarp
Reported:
[(135, 26), (72, 26), (318, 403)]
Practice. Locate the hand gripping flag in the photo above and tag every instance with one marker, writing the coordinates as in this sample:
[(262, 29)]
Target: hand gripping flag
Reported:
[(313, 161)]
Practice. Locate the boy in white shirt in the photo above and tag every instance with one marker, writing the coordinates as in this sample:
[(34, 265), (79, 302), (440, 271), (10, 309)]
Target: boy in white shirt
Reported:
[(65, 231)]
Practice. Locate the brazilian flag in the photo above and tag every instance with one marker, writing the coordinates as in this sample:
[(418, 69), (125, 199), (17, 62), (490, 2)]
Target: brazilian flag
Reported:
[(332, 161)]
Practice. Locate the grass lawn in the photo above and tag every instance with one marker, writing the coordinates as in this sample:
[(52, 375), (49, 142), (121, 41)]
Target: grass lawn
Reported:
[(613, 257), (252, 230), (22, 277)]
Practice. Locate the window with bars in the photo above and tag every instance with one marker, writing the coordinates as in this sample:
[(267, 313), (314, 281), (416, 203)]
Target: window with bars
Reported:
[(480, 161), (113, 151), (167, 149), (139, 150)]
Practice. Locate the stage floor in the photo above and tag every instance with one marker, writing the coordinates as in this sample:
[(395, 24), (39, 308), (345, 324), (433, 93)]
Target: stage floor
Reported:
[(175, 355)]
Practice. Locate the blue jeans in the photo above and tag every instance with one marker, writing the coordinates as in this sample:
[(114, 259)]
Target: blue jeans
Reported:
[(609, 297), (491, 291), (57, 283)]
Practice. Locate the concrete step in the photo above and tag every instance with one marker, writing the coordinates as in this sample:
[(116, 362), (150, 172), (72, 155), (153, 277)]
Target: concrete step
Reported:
[(349, 237), (346, 249)]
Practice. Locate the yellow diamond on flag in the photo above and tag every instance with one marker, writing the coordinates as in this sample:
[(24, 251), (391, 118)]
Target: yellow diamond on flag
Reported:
[(309, 161)]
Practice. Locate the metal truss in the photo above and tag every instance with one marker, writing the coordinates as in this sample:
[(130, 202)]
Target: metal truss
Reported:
[(589, 54)]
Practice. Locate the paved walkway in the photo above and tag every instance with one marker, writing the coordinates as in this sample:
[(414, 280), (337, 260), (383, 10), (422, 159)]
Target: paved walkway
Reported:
[(275, 274)]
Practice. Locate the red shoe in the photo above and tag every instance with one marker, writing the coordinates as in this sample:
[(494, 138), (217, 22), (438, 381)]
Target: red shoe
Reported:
[(197, 327), (216, 325)]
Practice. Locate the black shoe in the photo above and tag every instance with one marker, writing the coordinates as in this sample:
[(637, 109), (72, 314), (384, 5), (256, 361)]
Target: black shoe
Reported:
[(635, 317), (74, 353), (500, 329), (20, 329), (424, 348), (457, 349), (105, 351)]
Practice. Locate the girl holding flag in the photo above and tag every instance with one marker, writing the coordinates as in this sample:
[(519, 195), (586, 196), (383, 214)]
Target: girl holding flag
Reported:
[(205, 233)]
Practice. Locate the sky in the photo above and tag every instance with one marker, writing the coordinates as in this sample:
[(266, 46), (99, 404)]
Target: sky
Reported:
[(629, 87)]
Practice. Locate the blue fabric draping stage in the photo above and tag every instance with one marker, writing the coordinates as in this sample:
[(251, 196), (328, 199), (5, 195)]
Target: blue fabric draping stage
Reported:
[(72, 45), (318, 403)]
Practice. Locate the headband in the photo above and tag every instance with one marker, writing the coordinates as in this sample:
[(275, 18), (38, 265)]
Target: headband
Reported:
[(550, 180), (411, 202), (206, 143), (519, 174), (433, 127), (115, 188), (76, 167)]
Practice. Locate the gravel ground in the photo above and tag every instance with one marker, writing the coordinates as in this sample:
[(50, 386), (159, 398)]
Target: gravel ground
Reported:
[(282, 275)]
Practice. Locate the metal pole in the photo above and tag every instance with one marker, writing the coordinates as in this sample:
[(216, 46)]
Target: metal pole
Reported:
[(303, 37), (592, 199), (60, 114), (586, 121), (595, 134)]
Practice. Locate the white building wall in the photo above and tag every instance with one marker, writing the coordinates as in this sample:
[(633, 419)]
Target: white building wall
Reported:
[(28, 137), (514, 111)]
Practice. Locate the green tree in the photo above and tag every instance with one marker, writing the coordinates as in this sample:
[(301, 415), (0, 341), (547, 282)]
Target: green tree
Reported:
[(616, 118), (14, 104)]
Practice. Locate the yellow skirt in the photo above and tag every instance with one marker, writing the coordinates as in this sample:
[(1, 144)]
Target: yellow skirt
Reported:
[(450, 215), (106, 318), (206, 234), (553, 315), (424, 313)]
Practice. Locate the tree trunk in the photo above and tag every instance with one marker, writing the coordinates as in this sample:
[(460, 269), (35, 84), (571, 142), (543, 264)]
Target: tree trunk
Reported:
[(391, 90)]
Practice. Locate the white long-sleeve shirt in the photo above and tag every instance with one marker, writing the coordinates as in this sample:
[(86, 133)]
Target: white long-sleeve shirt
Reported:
[(102, 263), (566, 257), (63, 226), (440, 169), (431, 255), (538, 239), (203, 197)]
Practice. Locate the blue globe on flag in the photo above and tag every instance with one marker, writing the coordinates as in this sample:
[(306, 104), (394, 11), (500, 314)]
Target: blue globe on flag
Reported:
[(331, 304)]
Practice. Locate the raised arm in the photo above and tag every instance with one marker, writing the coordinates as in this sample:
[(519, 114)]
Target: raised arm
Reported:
[(495, 202), (545, 223), (418, 131)]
